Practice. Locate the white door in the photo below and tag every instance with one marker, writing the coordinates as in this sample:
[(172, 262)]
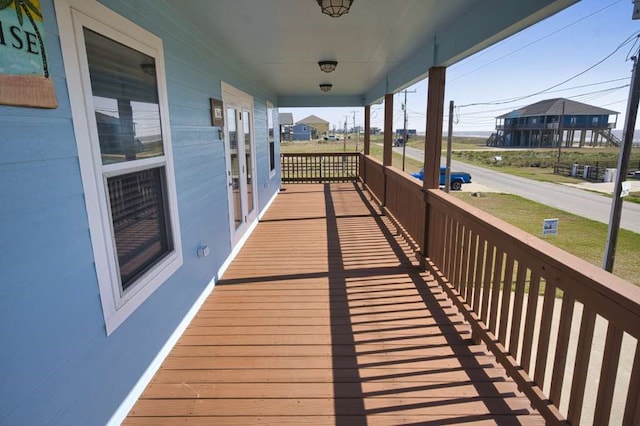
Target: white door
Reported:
[(239, 149)]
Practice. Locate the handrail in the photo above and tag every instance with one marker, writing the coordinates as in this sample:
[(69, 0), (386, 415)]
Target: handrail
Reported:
[(319, 167), (541, 330)]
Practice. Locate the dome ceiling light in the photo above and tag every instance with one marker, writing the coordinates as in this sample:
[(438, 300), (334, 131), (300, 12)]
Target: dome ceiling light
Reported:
[(328, 66), (335, 8)]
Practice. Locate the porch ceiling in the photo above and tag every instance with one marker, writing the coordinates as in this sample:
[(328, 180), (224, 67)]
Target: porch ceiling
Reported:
[(381, 46)]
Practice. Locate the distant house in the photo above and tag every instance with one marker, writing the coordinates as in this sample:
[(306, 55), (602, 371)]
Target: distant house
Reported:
[(302, 132), (555, 121), (320, 126), (286, 124)]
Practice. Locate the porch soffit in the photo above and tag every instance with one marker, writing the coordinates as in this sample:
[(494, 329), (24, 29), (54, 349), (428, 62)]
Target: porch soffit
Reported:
[(381, 46)]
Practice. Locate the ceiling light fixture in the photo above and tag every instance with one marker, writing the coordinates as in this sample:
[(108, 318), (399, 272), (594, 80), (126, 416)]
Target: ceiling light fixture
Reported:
[(325, 87), (328, 66), (335, 8)]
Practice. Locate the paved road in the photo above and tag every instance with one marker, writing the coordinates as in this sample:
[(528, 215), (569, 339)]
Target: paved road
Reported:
[(573, 200)]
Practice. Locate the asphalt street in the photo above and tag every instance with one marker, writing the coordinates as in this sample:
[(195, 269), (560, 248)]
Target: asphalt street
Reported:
[(573, 200)]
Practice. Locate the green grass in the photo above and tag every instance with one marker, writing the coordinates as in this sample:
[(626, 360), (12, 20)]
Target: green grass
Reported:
[(582, 237)]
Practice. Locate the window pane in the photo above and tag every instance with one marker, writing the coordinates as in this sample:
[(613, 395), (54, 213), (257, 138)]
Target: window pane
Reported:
[(125, 98), (137, 202), (270, 110), (235, 166), (272, 155)]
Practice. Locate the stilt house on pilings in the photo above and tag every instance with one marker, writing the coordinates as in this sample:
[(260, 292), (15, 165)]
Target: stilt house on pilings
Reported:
[(550, 122)]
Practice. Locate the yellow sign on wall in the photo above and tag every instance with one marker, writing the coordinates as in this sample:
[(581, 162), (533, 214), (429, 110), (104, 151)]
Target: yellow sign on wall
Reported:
[(24, 71)]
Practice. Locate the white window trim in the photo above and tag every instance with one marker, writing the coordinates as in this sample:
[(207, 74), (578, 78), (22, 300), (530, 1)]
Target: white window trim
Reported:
[(72, 16)]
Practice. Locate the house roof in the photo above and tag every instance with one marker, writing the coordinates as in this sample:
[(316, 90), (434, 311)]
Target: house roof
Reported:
[(555, 106), (285, 118), (312, 119), (381, 46)]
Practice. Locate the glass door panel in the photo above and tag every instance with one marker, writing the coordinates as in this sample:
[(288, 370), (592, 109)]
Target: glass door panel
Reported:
[(235, 166), (246, 126)]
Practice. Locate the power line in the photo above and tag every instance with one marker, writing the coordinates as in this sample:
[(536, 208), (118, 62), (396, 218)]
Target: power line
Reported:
[(509, 100), (536, 41)]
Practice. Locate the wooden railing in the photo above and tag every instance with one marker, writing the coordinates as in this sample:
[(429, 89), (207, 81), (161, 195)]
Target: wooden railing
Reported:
[(564, 329), (319, 167)]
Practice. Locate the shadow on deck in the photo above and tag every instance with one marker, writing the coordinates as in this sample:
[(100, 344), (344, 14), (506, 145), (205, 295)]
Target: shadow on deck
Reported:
[(325, 318)]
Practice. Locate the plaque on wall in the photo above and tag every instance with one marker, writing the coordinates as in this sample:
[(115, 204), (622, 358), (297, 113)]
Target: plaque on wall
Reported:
[(217, 117), (24, 71)]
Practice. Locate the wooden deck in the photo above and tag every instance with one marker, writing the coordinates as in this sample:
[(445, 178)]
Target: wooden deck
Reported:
[(325, 318)]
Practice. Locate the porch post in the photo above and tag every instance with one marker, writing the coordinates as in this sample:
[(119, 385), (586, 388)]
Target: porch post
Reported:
[(388, 130), (433, 139), (367, 143), (367, 129), (432, 144), (387, 149)]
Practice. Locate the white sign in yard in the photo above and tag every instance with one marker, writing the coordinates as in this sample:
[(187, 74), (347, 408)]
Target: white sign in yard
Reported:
[(550, 227), (626, 188)]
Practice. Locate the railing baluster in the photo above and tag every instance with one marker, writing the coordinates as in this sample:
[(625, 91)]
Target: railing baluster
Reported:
[(481, 253), (466, 255), (449, 249), (516, 319), (471, 266), (583, 354), (632, 412), (545, 330), (495, 290), (489, 261), (530, 321), (560, 359), (608, 373), (458, 257), (506, 300)]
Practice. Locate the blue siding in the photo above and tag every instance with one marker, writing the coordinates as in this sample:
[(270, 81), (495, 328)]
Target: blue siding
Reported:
[(301, 132), (57, 364)]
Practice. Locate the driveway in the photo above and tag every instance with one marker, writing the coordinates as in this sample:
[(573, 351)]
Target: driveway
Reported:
[(571, 199)]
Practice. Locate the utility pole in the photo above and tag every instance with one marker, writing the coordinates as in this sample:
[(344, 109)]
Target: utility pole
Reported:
[(447, 174), (406, 136), (623, 167), (344, 137), (560, 133), (354, 129)]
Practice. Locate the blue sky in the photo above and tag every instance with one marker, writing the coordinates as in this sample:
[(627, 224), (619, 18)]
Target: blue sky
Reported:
[(531, 61)]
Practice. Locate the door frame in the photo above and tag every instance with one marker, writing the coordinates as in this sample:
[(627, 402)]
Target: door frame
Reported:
[(233, 97)]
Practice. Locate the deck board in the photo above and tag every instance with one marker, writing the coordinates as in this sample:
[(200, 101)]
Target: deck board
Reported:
[(324, 317)]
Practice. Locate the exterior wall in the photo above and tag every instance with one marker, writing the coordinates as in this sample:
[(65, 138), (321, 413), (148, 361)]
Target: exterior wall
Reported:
[(322, 129), (57, 364), (301, 132), (541, 131)]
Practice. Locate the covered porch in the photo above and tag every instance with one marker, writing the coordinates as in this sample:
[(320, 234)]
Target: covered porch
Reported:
[(326, 317)]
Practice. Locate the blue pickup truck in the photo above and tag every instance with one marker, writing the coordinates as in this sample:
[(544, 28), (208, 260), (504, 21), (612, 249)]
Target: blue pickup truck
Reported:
[(457, 178)]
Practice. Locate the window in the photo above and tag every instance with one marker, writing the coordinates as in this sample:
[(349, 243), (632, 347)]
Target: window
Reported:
[(124, 149), (271, 139), (594, 121)]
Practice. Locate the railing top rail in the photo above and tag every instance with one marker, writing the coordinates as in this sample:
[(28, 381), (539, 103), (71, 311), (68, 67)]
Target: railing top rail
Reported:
[(320, 154)]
